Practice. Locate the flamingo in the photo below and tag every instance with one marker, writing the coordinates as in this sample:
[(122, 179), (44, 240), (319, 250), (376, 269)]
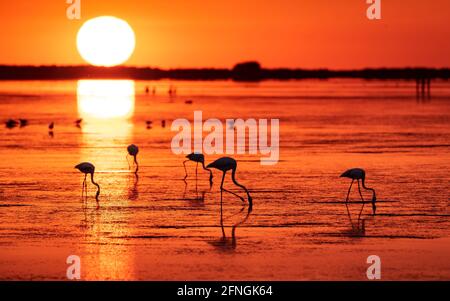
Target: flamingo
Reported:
[(133, 150), (359, 174), (88, 168), (225, 164), (199, 158)]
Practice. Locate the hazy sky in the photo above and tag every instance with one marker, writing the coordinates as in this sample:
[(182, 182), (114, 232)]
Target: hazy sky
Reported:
[(213, 33)]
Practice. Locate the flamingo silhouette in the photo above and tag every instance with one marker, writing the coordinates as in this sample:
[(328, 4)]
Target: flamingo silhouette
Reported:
[(88, 168), (359, 174), (225, 164), (133, 150), (198, 158)]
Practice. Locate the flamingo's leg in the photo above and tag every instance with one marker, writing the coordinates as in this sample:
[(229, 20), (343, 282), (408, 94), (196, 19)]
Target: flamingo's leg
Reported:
[(359, 189), (196, 170), (223, 178), (85, 193), (82, 189), (185, 170), (196, 188), (221, 211), (349, 189), (362, 207)]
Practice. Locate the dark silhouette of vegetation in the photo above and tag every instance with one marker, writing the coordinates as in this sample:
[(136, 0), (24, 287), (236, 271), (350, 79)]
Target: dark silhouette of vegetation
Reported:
[(247, 71)]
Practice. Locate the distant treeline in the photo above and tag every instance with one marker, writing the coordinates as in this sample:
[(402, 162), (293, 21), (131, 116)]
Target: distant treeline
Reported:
[(248, 71)]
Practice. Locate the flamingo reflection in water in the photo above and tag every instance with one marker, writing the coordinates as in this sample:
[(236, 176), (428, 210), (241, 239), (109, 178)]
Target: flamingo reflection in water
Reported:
[(357, 229), (225, 243)]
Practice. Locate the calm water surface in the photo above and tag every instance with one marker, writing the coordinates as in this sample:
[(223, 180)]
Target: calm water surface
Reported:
[(158, 227)]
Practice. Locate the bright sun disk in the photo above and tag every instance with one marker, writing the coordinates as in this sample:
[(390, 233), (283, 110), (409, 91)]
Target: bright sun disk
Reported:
[(105, 41)]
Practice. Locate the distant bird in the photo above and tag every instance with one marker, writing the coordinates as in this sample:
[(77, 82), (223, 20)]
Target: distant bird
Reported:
[(224, 164), (172, 91), (188, 101), (78, 122), (149, 124), (11, 123), (147, 90), (133, 150), (50, 129), (23, 122), (163, 123), (198, 158), (88, 168), (359, 174)]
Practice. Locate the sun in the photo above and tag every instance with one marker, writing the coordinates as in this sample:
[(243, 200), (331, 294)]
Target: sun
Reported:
[(105, 41)]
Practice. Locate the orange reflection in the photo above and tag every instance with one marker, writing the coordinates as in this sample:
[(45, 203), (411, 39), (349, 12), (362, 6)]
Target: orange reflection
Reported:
[(106, 107), (105, 99)]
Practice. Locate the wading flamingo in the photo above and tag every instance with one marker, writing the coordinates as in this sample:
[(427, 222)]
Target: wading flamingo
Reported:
[(225, 164), (198, 158), (359, 174), (133, 150), (88, 168)]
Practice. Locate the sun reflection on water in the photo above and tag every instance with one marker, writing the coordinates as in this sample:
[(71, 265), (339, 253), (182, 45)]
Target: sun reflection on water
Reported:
[(105, 99), (106, 107)]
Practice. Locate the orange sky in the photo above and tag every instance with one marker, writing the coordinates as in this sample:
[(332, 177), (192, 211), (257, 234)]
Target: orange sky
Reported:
[(213, 33)]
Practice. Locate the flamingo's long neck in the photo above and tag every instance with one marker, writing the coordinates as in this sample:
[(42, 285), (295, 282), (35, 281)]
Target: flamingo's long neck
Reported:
[(137, 165), (374, 206), (210, 172), (242, 186), (98, 186), (367, 188)]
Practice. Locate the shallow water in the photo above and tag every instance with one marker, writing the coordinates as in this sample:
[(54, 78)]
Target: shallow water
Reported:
[(157, 227)]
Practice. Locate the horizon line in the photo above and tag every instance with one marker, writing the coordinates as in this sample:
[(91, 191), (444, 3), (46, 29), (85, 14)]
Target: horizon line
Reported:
[(410, 67)]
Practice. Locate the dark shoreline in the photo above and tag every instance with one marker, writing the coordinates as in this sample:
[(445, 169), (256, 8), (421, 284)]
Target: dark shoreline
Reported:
[(241, 72)]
